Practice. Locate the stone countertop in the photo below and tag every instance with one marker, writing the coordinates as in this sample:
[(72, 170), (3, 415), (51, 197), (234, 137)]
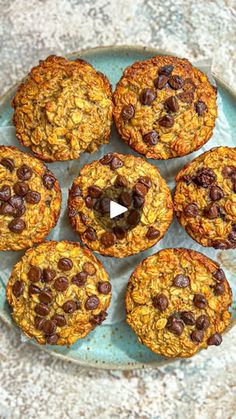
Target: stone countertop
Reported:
[(32, 383)]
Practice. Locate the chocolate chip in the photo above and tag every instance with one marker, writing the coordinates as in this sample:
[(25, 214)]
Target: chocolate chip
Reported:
[(200, 107), (214, 339), (33, 197), (204, 177), (90, 234), (187, 317), (34, 290), (106, 159), (49, 327), (98, 318), (166, 70), (175, 325), (212, 211), (160, 302), (61, 284), (39, 322), (127, 112), (108, 239), (181, 281), (199, 300), (202, 322), (24, 172), (7, 209), (140, 189), (119, 232), (94, 191), (176, 82), (90, 202), (229, 171), (16, 201), (147, 96), (125, 199), (186, 179), (17, 225), (216, 193), (151, 138), (92, 302), (89, 268), (80, 279), (171, 104), (18, 288), (48, 180), (152, 233), (189, 86), (65, 264), (166, 121), (232, 235), (197, 336), (21, 188), (138, 201), (191, 210), (8, 163), (186, 97), (69, 307), (59, 320), (5, 193), (219, 289), (116, 163), (146, 180), (133, 217), (219, 275), (41, 309), (83, 218), (160, 81), (75, 191), (34, 274), (104, 287), (52, 339), (48, 275), (120, 181), (104, 205), (46, 296)]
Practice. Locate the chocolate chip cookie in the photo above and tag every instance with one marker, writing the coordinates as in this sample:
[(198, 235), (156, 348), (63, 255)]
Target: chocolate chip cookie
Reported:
[(62, 109), (131, 182), (205, 198), (164, 107), (30, 199), (177, 302), (58, 292)]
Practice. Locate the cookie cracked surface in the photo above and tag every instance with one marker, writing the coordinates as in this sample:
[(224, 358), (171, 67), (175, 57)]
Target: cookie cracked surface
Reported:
[(205, 198), (59, 292), (63, 108), (177, 302), (30, 199), (164, 107)]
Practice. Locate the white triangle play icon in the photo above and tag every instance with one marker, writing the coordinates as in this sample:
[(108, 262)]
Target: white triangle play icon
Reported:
[(116, 209)]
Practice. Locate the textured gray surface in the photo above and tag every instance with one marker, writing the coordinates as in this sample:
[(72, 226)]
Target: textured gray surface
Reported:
[(32, 383)]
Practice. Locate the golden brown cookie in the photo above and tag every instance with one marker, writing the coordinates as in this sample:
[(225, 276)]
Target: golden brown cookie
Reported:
[(30, 200), (177, 302), (205, 198), (133, 183), (164, 107), (63, 108), (59, 292)]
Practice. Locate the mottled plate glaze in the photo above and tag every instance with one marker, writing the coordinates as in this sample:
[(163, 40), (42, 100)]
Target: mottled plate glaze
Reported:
[(114, 346)]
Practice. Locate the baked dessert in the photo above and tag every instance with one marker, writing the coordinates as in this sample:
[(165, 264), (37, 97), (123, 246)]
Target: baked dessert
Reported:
[(63, 108), (58, 292), (205, 198), (177, 302), (164, 107), (135, 184), (30, 199)]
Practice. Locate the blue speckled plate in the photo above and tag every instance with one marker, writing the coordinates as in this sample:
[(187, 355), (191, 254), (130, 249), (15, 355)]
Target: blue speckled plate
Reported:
[(112, 346)]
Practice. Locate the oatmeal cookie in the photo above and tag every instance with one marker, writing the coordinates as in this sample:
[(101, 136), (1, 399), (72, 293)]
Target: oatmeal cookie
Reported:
[(205, 198), (59, 292), (131, 182), (63, 108), (164, 107), (177, 302), (30, 200)]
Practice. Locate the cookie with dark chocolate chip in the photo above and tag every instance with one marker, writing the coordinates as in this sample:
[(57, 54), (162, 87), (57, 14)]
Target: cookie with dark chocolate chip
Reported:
[(172, 310), (56, 290)]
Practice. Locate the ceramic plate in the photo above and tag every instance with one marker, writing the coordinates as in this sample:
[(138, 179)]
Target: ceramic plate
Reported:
[(114, 345)]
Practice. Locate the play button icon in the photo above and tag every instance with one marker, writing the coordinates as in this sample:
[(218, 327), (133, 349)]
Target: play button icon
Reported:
[(116, 209)]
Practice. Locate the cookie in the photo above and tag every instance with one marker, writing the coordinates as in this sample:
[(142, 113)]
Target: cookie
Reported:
[(164, 107), (30, 200), (205, 198), (131, 182), (177, 302), (58, 292), (63, 108)]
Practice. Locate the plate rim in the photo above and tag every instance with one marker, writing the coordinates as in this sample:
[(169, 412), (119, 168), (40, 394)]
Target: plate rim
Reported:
[(8, 322)]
